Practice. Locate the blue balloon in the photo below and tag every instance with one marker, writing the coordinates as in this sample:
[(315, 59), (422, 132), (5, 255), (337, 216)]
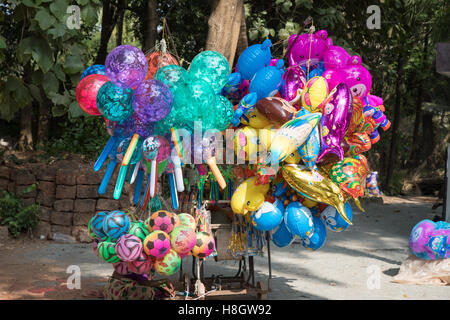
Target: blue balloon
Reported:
[(268, 217), (254, 58), (316, 71), (333, 220), (299, 220), (318, 237), (282, 237), (94, 69), (267, 81), (279, 205)]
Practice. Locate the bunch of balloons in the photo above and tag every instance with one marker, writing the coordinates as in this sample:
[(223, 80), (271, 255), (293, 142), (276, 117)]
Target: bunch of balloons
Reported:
[(430, 240), (143, 247), (304, 127)]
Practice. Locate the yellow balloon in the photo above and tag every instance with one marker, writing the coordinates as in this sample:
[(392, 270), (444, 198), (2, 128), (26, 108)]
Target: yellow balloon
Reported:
[(256, 120), (293, 158), (315, 92), (312, 185), (248, 196), (246, 143)]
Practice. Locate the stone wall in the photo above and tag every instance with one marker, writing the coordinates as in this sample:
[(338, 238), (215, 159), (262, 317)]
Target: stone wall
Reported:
[(67, 193)]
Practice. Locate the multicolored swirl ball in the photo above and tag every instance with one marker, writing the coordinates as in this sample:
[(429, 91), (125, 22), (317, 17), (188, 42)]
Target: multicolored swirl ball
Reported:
[(94, 69), (87, 90), (169, 264), (115, 103), (136, 156), (107, 251), (142, 265), (128, 247), (138, 229), (152, 101), (116, 224), (126, 66)]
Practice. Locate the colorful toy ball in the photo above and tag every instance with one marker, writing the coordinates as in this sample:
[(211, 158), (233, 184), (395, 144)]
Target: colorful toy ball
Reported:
[(267, 217), (107, 251), (94, 69), (282, 237), (177, 220), (212, 67), (142, 265), (91, 230), (299, 220), (161, 220), (152, 101), (86, 92), (157, 244), (183, 239), (333, 220), (138, 229), (128, 247), (169, 264), (157, 60), (126, 66), (116, 224), (204, 246), (115, 103), (122, 268), (318, 237), (187, 220), (430, 240), (96, 224)]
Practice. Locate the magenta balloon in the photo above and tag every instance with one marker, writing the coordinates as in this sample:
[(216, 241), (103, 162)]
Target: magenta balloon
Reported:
[(152, 101), (335, 57), (294, 78), (335, 122)]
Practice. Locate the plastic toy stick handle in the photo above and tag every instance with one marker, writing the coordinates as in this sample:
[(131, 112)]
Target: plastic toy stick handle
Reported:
[(130, 150), (120, 181), (178, 173), (105, 181), (215, 170), (130, 172), (146, 191), (177, 142), (147, 196), (173, 191), (106, 151), (153, 176), (138, 187), (135, 172), (201, 169)]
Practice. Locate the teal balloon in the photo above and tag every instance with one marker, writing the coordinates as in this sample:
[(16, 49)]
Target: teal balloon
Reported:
[(224, 113), (115, 103), (171, 75), (212, 67)]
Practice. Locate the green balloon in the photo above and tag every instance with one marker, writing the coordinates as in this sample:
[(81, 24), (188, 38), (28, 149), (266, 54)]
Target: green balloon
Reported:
[(171, 75), (212, 67), (224, 112)]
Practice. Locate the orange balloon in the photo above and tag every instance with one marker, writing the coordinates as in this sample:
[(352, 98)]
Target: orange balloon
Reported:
[(157, 60)]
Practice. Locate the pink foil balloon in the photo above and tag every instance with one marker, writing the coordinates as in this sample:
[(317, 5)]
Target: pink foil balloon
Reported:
[(294, 78), (335, 122), (86, 92)]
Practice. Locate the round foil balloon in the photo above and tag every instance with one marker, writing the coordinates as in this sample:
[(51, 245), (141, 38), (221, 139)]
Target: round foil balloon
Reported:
[(115, 103), (157, 60), (212, 67), (86, 92), (94, 69), (126, 66), (152, 101)]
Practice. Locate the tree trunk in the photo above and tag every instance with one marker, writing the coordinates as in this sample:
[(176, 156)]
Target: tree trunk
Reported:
[(395, 124), (243, 39), (151, 24), (224, 27), (119, 34), (26, 126), (109, 19), (44, 116), (428, 135)]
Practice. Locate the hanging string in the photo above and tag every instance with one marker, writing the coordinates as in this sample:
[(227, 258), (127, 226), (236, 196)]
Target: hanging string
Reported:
[(311, 31)]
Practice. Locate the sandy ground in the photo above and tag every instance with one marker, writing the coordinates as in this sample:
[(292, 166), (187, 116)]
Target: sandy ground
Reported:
[(374, 247)]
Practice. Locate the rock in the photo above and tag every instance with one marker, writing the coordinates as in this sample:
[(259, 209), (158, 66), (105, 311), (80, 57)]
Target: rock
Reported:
[(44, 213), (63, 236), (107, 205), (87, 191), (4, 234), (47, 187), (46, 174), (42, 230), (82, 218), (11, 187), (28, 201), (81, 234), (66, 192), (85, 205), (23, 177), (5, 173), (61, 218), (31, 194), (62, 230), (45, 199), (4, 184), (66, 177), (63, 205), (89, 177)]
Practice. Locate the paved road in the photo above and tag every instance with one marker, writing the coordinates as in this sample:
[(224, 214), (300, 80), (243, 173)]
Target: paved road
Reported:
[(378, 241)]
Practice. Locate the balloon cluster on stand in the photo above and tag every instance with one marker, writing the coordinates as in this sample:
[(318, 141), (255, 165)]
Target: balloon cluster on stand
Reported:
[(143, 247)]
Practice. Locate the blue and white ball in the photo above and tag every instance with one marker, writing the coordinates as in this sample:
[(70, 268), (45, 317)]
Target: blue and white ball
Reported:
[(333, 220), (318, 237), (282, 237), (299, 220), (267, 217), (116, 224)]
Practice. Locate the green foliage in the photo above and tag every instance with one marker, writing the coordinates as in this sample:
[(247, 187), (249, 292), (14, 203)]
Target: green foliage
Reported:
[(15, 215)]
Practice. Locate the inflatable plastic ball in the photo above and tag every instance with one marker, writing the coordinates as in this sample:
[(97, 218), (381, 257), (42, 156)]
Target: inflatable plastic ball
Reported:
[(282, 237), (177, 220), (142, 265), (96, 224), (187, 220), (299, 220), (121, 129), (156, 60), (183, 239), (161, 220), (94, 69), (430, 240), (115, 103), (126, 66), (128, 247), (171, 75), (87, 90), (157, 244), (169, 264), (204, 246), (152, 101), (319, 236), (212, 67), (138, 229), (107, 251), (267, 217), (116, 224), (333, 220), (122, 268)]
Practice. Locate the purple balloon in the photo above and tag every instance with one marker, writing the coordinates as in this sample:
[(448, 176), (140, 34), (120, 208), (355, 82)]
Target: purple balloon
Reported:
[(126, 66), (335, 122), (152, 101), (144, 130), (293, 79)]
